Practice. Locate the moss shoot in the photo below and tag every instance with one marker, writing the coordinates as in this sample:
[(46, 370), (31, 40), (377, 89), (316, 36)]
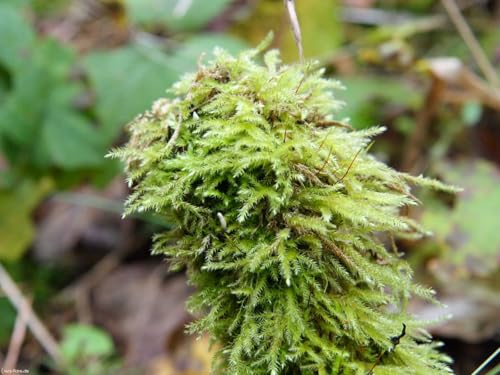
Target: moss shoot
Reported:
[(281, 215)]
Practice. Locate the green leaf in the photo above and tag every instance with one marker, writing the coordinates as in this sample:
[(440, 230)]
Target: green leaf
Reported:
[(7, 319), (16, 206), (168, 12), (38, 83), (71, 141), (16, 36), (186, 57), (126, 81), (469, 233), (82, 341), (471, 112), (365, 94), (321, 29), (38, 125), (205, 43)]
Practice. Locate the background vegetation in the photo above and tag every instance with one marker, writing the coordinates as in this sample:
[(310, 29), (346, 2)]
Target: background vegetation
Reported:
[(73, 73)]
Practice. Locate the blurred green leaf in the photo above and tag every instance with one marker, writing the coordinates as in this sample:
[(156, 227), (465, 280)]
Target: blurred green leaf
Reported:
[(7, 319), (47, 7), (321, 28), (471, 112), (16, 36), (185, 58), (366, 94), (39, 127), (3, 87), (89, 350), (404, 124), (16, 206), (126, 81), (171, 14), (468, 234), (81, 341), (70, 140), (205, 43)]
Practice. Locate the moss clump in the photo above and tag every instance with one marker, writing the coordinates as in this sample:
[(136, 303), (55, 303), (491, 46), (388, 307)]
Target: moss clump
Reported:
[(279, 214)]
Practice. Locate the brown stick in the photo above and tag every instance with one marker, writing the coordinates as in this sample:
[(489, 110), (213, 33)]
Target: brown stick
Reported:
[(325, 124), (294, 21), (350, 165), (79, 292), (330, 245), (17, 338), (463, 84), (96, 274), (34, 323), (326, 161), (308, 173), (422, 124), (177, 131), (470, 40)]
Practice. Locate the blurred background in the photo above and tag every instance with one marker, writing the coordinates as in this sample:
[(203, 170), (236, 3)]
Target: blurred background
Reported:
[(77, 282)]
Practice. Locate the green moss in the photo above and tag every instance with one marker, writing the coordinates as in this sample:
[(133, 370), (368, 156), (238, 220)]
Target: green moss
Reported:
[(280, 211)]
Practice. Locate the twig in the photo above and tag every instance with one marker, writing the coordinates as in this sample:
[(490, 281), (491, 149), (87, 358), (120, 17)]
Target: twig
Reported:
[(82, 306), (486, 362), (80, 291), (422, 124), (323, 141), (471, 41), (375, 364), (174, 137), (304, 75), (34, 323), (96, 274), (352, 162), (373, 16), (394, 247), (463, 83), (102, 268), (382, 17), (395, 342), (294, 21), (223, 225), (148, 299), (309, 174), (17, 338), (328, 123), (182, 7), (326, 161)]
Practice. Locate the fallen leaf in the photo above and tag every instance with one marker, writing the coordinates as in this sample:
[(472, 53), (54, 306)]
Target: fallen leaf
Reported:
[(142, 309), (16, 206), (191, 356), (467, 235), (472, 310), (463, 84), (67, 221)]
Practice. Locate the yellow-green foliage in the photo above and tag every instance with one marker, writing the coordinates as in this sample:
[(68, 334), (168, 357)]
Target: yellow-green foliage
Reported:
[(279, 214)]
